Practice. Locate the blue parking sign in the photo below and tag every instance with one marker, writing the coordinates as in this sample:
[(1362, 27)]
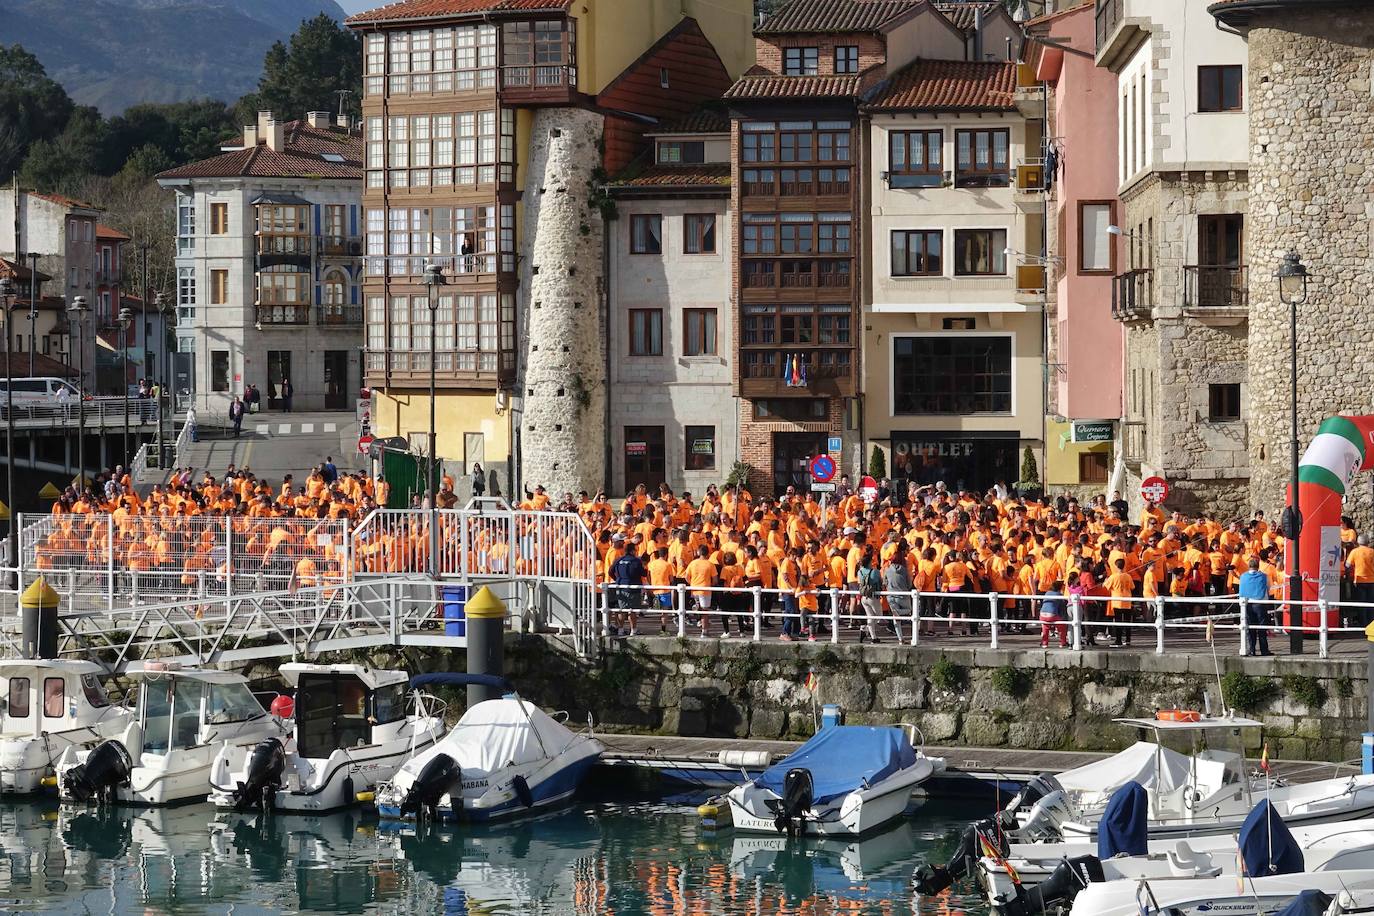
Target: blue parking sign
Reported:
[(835, 444)]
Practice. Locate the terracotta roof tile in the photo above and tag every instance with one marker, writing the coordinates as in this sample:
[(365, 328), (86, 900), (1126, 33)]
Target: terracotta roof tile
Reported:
[(43, 366), (793, 87), (106, 232), (707, 175), (835, 16), (63, 200), (433, 9), (302, 156), (947, 84), (962, 13), (708, 120)]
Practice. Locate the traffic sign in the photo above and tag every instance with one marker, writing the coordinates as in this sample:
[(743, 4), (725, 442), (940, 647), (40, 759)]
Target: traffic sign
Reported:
[(836, 444), (822, 487), (1154, 489), (868, 489), (364, 443), (823, 469)]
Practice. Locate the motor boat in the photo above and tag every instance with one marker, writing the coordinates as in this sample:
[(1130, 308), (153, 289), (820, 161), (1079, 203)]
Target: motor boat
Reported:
[(1273, 871), (846, 780), (1035, 877), (858, 869), (352, 731), (1201, 790), (164, 755), (47, 706), (505, 758)]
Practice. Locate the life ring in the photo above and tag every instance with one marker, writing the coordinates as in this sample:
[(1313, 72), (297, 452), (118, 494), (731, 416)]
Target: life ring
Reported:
[(1178, 715)]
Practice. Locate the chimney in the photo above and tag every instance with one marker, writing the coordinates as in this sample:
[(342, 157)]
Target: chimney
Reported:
[(250, 135), (344, 121), (276, 135), (317, 118), (264, 118), (978, 32)]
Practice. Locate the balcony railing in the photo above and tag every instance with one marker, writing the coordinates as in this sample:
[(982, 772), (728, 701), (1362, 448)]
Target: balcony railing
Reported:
[(339, 246), (283, 244), (338, 315), (810, 188), (797, 274), (1133, 294), (1208, 286), (1109, 13), (284, 314)]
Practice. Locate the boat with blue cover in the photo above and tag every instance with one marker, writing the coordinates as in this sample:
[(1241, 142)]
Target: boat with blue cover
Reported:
[(846, 780), (506, 758)]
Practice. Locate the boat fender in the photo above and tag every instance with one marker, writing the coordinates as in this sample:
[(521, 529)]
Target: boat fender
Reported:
[(932, 879), (1057, 890), (522, 791), (348, 791), (366, 796), (749, 760), (107, 768)]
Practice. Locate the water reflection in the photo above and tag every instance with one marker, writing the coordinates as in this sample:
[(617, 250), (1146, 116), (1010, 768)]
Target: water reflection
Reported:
[(599, 858)]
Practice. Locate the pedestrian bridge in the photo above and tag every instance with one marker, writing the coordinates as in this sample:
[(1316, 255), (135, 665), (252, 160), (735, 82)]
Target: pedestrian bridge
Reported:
[(96, 414), (220, 589)]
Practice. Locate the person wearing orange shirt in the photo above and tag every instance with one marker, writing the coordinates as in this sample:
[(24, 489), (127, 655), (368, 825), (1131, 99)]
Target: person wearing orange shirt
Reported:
[(1361, 566), (701, 576), (1120, 585), (956, 575)]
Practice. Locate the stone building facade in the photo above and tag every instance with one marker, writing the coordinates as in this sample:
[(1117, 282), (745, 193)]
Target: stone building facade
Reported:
[(1312, 183)]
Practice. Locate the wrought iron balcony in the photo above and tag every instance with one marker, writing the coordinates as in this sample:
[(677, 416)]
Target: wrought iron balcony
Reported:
[(1207, 286), (338, 316), (1133, 295), (339, 246)]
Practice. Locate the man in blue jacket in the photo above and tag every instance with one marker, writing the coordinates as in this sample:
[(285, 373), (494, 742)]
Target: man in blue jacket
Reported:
[(1254, 585), (627, 572)]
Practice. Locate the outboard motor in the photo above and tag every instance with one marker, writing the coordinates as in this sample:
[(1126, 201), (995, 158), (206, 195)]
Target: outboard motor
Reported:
[(106, 769), (1058, 890), (266, 766), (440, 777), (932, 879), (798, 791), (1042, 824)]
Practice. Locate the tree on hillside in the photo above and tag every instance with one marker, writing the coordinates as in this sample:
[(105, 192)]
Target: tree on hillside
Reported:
[(182, 131), (32, 106), (321, 58), (76, 151)]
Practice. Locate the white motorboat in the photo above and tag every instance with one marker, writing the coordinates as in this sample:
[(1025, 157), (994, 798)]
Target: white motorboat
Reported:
[(352, 731), (505, 758), (163, 756), (844, 868), (846, 780), (47, 706), (1211, 896), (1202, 789)]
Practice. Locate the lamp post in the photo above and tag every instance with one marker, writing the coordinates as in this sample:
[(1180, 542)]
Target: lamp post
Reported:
[(160, 303), (7, 300), (1292, 277), (33, 306), (77, 312), (126, 318), (434, 278)]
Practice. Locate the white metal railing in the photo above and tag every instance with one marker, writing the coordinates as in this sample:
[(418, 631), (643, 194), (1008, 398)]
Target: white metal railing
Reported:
[(182, 442), (105, 561), (98, 412), (915, 615), (395, 610), (138, 467)]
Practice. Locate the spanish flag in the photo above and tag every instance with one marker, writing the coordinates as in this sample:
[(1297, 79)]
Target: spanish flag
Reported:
[(989, 851), (1264, 758), (811, 682)]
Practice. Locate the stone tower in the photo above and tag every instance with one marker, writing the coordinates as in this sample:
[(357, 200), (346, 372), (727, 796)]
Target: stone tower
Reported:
[(1311, 190), (563, 367)]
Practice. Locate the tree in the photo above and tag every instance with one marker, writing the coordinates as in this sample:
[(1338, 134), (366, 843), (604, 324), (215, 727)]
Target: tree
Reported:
[(321, 58), (59, 163), (183, 131), (877, 464), (32, 106)]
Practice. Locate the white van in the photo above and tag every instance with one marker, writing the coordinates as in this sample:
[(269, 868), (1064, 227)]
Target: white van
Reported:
[(33, 392)]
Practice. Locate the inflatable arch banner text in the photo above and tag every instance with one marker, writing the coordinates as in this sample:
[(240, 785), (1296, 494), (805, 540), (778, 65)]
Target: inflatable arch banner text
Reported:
[(1342, 448)]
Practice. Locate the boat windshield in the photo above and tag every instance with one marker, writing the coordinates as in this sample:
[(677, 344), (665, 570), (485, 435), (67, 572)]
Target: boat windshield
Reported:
[(231, 703), (171, 713), (1216, 763)]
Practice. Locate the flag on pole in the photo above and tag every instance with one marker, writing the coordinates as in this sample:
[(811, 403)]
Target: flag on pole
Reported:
[(989, 851), (1264, 758), (811, 682), (1211, 630)]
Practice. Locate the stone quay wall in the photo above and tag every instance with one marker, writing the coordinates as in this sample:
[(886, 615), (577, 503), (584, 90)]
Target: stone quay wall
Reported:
[(1032, 699), (1311, 190)]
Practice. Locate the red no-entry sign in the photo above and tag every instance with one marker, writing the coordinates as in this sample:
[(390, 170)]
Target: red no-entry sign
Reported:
[(1154, 489)]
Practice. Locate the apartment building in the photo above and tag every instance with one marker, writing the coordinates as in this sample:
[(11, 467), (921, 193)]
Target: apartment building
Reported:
[(1182, 285), (670, 333), (491, 126), (955, 281), (269, 259), (62, 232), (1085, 342), (805, 174)]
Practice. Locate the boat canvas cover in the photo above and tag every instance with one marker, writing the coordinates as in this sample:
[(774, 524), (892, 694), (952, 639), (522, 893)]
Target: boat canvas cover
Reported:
[(1125, 826), (495, 733), (843, 758), (1308, 903), (1267, 846), (1137, 763)]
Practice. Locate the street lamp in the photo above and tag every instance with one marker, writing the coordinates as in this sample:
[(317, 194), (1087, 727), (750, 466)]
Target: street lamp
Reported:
[(33, 306), (8, 296), (77, 312), (434, 278), (126, 318), (163, 307), (1292, 277)]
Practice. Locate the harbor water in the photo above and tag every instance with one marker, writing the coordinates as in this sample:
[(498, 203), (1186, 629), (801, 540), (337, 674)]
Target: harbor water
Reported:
[(604, 855)]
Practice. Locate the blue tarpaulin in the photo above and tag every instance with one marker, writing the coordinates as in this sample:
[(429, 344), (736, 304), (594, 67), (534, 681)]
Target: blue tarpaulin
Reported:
[(1125, 826), (1308, 903), (841, 758), (1266, 845)]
